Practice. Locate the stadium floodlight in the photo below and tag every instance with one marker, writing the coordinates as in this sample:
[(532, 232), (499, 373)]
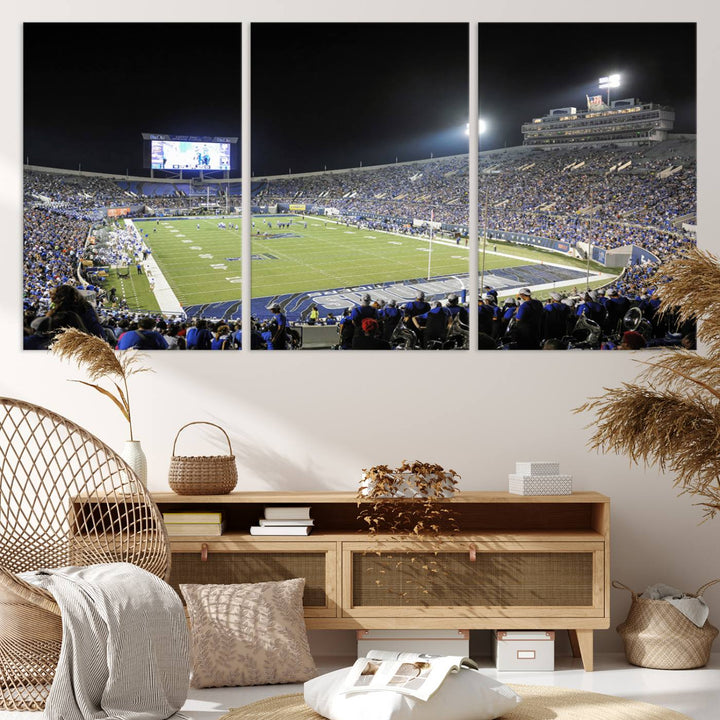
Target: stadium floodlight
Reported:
[(482, 127), (611, 81)]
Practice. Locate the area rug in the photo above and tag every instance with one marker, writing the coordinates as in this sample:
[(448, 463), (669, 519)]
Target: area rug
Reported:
[(539, 703)]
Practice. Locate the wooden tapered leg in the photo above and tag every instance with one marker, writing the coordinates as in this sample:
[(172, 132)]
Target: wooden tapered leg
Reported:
[(581, 642), (574, 643)]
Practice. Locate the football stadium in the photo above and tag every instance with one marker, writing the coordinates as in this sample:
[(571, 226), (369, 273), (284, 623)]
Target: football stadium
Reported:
[(583, 225), (577, 206), (574, 215)]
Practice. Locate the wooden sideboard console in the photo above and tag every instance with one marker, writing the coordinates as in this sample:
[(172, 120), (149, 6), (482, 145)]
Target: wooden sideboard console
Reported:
[(517, 562)]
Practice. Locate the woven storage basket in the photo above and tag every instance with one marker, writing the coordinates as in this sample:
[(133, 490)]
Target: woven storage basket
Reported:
[(658, 635), (203, 474)]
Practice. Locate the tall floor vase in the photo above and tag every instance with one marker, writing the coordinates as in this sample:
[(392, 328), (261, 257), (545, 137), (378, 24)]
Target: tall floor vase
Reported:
[(134, 456)]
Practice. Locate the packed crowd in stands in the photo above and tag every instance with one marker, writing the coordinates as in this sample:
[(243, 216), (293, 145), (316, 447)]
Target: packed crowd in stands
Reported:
[(73, 192), (52, 247), (610, 197), (516, 187), (124, 329), (563, 321), (592, 319)]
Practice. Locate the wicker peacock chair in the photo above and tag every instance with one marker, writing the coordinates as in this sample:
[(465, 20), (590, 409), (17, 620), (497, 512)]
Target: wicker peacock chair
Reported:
[(65, 499)]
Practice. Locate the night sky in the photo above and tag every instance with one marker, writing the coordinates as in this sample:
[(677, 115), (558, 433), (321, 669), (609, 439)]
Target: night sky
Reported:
[(338, 95), (328, 95), (526, 69), (92, 89)]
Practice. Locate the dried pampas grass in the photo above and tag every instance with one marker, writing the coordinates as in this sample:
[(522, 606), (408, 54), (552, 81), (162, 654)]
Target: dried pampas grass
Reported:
[(670, 416), (101, 362)]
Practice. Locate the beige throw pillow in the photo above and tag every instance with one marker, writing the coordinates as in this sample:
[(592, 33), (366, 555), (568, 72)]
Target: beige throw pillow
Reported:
[(249, 634)]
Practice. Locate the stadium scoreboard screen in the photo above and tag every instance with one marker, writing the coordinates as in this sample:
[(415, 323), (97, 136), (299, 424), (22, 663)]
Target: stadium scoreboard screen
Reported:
[(174, 153), (177, 155)]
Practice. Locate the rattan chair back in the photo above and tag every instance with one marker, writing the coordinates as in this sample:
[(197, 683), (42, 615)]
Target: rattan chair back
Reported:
[(66, 498)]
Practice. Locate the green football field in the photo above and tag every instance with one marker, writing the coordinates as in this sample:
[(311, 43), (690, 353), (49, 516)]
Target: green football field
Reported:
[(202, 264), (327, 255)]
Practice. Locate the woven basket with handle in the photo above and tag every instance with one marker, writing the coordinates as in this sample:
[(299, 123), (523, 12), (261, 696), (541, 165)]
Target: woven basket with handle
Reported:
[(658, 635), (202, 474)]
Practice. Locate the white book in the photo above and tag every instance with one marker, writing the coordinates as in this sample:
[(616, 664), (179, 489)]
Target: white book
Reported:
[(285, 523), (199, 529), (289, 512), (277, 530), (192, 517)]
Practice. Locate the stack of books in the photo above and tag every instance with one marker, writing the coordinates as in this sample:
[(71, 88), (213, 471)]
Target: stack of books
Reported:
[(539, 478), (285, 520), (180, 524)]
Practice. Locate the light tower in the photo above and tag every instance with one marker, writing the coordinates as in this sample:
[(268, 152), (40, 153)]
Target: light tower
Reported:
[(611, 81), (482, 126)]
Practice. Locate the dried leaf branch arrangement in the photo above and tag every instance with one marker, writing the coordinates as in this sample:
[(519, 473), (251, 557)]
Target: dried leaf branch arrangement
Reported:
[(670, 416), (404, 500), (101, 362), (407, 503)]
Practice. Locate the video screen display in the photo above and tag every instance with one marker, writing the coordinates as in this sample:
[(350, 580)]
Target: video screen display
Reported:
[(177, 155)]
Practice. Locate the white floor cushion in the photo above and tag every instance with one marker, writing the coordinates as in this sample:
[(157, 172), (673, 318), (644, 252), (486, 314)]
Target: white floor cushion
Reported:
[(466, 695)]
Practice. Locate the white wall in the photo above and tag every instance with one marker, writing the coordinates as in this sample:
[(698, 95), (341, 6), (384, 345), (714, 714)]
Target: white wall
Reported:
[(311, 421)]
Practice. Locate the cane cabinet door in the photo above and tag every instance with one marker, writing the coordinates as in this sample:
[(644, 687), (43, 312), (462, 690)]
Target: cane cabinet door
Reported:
[(226, 562), (473, 578)]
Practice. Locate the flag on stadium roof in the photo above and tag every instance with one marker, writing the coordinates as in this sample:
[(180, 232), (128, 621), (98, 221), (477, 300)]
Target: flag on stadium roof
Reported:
[(595, 102)]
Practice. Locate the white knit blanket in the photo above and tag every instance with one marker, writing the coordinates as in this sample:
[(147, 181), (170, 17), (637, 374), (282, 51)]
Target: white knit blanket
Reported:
[(125, 644), (693, 608)]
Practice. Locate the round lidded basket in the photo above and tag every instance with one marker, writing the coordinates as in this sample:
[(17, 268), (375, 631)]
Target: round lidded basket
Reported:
[(657, 635), (202, 474)]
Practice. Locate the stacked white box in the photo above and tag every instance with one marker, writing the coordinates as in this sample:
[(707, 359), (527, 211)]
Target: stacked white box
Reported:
[(537, 467), (524, 650), (429, 642), (540, 485), (539, 478)]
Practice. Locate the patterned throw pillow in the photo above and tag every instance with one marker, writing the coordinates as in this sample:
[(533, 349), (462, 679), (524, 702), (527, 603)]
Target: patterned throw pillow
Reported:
[(250, 634)]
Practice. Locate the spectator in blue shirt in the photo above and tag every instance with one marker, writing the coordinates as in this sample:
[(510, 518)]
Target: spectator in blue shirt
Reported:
[(364, 310), (556, 316), (278, 327), (144, 338), (198, 337), (416, 307), (389, 318), (433, 325), (222, 339), (528, 326)]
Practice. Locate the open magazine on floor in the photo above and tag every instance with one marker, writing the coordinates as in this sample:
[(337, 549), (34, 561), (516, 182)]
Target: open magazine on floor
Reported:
[(409, 673)]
